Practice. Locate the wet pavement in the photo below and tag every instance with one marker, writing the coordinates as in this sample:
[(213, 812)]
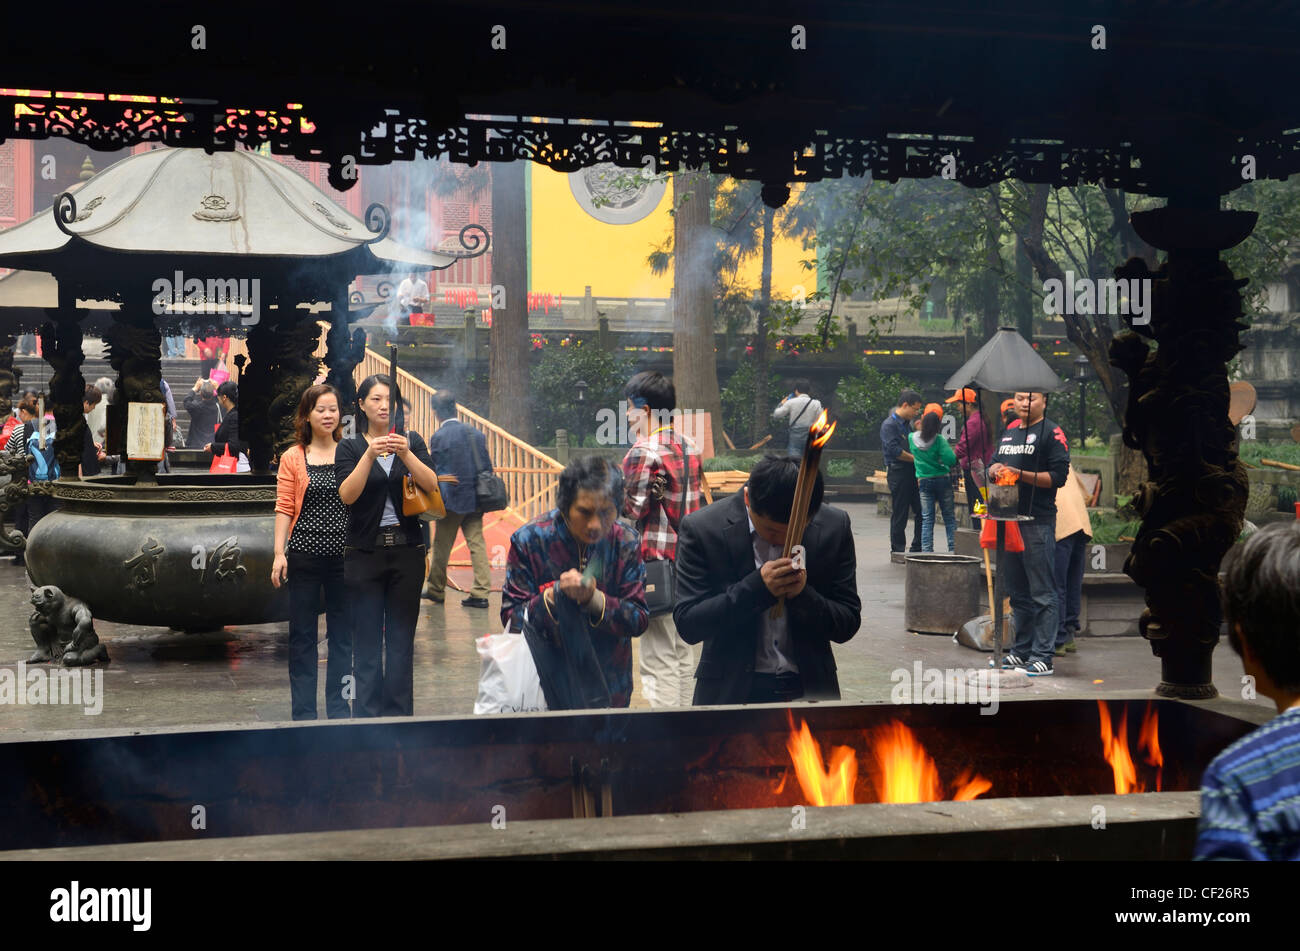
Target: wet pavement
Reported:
[(239, 675)]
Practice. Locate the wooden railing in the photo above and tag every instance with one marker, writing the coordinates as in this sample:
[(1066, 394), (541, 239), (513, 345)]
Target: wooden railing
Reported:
[(531, 477)]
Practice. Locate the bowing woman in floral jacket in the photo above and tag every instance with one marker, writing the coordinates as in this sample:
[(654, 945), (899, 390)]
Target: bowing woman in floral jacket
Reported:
[(548, 558)]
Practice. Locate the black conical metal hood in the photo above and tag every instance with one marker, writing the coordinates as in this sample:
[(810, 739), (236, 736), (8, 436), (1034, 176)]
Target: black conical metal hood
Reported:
[(1005, 364)]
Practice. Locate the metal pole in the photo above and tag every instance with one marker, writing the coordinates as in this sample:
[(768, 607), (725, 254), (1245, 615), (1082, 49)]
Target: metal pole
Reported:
[(995, 609), (1082, 403)]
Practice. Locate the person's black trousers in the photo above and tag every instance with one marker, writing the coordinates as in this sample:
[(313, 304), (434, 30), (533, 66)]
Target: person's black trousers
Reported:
[(383, 586), (905, 496), (38, 506), (308, 574)]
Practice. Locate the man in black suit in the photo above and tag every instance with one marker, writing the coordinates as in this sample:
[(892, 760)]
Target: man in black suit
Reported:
[(729, 575)]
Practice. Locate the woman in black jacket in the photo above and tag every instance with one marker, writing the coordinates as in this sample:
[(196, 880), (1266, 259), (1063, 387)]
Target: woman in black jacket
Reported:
[(227, 433), (201, 404), (383, 561)]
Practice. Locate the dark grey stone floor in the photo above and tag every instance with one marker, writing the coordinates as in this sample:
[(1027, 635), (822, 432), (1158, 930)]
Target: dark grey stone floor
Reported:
[(158, 678)]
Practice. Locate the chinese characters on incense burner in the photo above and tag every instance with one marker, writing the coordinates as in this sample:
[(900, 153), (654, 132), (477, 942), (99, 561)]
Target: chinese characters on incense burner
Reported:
[(818, 435)]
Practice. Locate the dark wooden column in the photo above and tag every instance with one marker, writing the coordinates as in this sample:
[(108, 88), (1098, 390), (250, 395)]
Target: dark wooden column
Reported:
[(344, 351), (14, 491), (62, 350), (281, 366), (255, 397), (295, 369), (1194, 501), (9, 374), (135, 352)]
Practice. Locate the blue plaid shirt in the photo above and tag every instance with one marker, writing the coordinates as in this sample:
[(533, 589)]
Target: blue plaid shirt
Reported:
[(1250, 796)]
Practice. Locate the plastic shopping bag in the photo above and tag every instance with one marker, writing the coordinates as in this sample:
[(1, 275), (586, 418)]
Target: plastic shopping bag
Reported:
[(989, 536), (225, 462), (507, 681)]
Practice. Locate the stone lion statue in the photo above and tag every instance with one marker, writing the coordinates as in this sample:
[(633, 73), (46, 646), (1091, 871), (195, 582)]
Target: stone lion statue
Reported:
[(63, 628)]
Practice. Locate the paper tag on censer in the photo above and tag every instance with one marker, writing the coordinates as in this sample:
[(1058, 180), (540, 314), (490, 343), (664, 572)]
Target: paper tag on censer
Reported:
[(798, 558)]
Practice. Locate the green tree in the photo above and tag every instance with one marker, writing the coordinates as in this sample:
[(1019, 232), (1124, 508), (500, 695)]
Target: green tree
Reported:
[(750, 228), (738, 405), (895, 241), (553, 389), (695, 364), (508, 348), (863, 400), (741, 227)]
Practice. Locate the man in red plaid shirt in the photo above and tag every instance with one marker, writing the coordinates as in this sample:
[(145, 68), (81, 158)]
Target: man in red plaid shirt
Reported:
[(656, 470)]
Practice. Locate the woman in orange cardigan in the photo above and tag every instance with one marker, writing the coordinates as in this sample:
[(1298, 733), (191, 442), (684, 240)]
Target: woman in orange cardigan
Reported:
[(310, 526)]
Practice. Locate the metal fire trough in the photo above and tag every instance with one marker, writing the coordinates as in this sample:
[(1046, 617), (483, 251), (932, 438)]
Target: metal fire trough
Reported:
[(689, 783)]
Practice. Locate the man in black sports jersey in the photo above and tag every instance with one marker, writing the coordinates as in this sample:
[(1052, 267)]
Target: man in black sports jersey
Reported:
[(1034, 449)]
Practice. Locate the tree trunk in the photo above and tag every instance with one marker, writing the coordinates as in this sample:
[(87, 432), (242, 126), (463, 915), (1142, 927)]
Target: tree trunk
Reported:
[(1130, 467), (1024, 295), (509, 403), (695, 364), (993, 264), (1091, 335), (762, 361)]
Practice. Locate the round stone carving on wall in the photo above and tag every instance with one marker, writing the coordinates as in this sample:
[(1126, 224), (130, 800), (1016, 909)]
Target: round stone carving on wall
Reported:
[(614, 195)]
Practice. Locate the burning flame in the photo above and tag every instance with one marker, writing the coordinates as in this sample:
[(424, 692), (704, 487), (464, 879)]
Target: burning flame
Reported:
[(1115, 748), (819, 433), (905, 771), (1149, 740), (1005, 477), (822, 787), (969, 787), (902, 769)]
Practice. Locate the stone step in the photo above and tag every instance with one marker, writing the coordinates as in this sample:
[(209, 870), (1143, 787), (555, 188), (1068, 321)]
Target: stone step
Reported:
[(179, 373)]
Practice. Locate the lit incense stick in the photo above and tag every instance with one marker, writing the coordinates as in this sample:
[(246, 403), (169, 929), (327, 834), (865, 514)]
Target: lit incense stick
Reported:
[(818, 435)]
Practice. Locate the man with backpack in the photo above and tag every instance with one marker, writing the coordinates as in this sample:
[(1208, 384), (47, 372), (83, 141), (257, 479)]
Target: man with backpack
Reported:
[(799, 411), (461, 451), (25, 440)]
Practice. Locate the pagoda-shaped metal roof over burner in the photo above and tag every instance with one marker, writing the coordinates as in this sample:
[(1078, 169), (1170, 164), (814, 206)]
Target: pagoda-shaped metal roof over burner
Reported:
[(239, 205)]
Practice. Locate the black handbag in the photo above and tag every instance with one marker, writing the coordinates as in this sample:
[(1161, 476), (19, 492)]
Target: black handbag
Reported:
[(568, 669), (661, 574), (490, 493)]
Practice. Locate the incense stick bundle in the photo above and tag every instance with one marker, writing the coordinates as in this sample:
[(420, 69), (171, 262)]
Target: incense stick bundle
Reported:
[(818, 435)]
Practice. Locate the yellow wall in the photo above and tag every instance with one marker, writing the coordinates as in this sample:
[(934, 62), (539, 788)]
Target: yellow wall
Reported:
[(570, 249)]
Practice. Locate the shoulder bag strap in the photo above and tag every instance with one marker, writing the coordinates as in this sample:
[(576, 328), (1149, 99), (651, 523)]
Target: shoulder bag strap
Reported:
[(473, 448), (686, 483), (806, 407)]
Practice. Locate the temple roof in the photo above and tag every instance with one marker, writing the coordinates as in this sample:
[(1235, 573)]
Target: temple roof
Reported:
[(1155, 98), (183, 202)]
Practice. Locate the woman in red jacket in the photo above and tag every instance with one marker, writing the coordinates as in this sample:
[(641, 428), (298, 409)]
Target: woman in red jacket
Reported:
[(310, 526)]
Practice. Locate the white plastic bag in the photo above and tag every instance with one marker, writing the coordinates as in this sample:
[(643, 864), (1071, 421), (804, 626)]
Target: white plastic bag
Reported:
[(507, 680)]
